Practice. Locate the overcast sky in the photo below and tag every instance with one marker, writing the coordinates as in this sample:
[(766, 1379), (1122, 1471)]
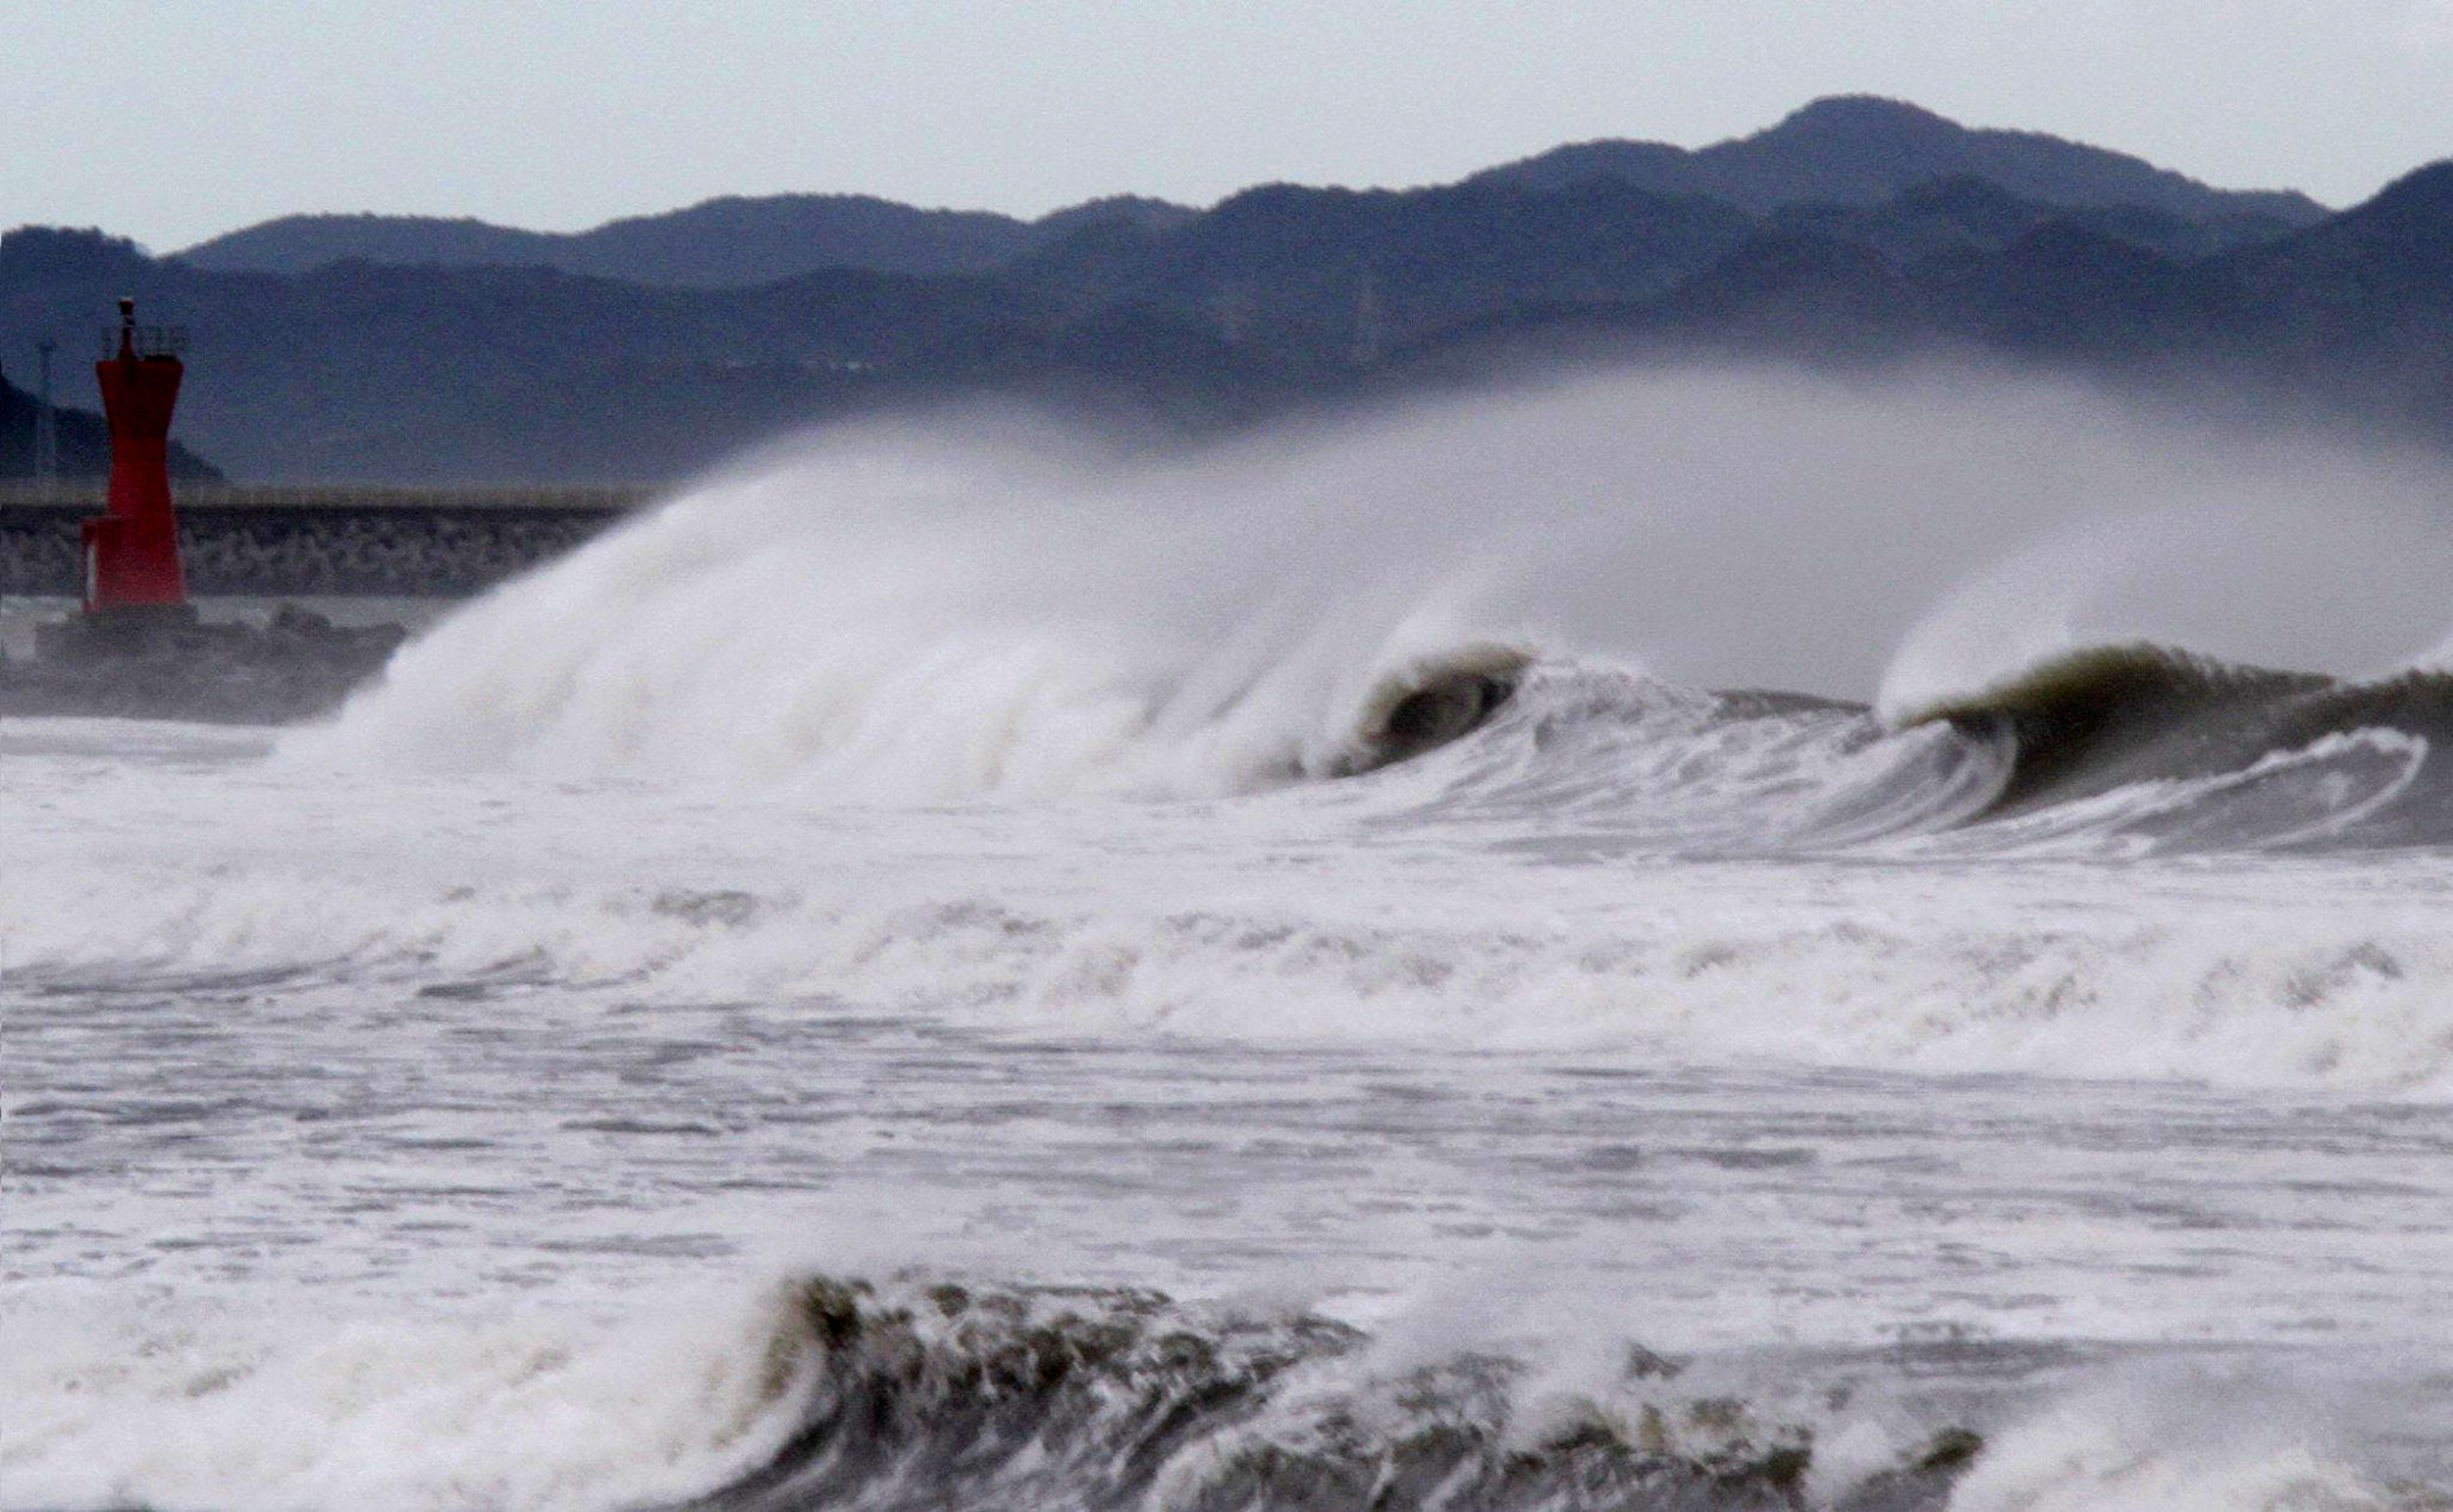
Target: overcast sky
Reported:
[(174, 119)]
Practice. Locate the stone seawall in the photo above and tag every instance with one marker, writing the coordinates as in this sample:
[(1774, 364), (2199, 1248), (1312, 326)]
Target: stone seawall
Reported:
[(268, 542)]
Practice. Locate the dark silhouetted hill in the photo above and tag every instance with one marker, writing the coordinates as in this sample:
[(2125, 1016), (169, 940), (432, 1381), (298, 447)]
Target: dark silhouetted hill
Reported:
[(2362, 303), (1862, 150), (361, 371), (1835, 157), (31, 256), (85, 442), (2350, 319), (1280, 299), (1344, 269), (725, 242), (2399, 237), (1959, 212)]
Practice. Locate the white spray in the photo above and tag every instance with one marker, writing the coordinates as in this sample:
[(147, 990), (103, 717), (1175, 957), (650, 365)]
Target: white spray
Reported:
[(983, 607)]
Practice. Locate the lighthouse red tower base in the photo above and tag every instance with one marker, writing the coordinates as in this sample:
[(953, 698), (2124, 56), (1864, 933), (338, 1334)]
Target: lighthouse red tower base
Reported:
[(139, 650), (132, 552)]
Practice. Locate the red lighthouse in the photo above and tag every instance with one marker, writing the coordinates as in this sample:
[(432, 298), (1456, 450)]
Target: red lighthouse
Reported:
[(131, 551)]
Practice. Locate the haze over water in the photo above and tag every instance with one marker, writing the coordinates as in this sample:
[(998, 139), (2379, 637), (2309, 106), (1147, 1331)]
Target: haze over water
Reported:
[(965, 964)]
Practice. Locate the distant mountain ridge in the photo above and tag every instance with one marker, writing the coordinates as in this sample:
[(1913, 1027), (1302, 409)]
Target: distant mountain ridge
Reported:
[(730, 241), (1846, 152), (1857, 150), (1279, 300)]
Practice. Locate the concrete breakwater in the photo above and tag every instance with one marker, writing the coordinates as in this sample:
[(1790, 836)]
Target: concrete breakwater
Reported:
[(303, 540)]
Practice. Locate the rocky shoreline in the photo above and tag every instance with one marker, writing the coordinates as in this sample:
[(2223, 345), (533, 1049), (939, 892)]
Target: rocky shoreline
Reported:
[(171, 664)]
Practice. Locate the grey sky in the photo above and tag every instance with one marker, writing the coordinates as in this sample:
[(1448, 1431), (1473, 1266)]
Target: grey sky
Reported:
[(174, 119)]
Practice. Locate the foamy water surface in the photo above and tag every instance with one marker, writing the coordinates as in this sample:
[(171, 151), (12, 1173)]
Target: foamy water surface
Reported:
[(989, 1030)]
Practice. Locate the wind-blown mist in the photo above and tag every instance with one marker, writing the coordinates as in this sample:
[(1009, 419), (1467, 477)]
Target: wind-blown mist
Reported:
[(965, 607)]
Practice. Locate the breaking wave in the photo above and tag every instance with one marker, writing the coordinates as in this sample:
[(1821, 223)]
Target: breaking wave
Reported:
[(928, 1393), (1124, 1400), (2118, 751), (897, 628), (2123, 750), (899, 617), (2172, 749)]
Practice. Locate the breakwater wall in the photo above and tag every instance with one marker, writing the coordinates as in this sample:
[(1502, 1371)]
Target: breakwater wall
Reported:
[(321, 540)]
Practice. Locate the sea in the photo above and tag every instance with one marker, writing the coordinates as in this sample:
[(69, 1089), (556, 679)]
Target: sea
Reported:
[(1684, 939)]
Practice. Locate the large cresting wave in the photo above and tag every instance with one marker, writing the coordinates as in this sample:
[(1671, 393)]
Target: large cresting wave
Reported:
[(1551, 586), (920, 1394), (887, 622)]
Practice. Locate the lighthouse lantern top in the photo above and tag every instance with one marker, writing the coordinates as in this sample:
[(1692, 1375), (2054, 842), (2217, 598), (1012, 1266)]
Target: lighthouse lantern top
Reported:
[(151, 342)]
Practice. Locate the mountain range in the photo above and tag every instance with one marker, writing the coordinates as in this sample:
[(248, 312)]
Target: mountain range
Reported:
[(1862, 150), (1847, 152), (1855, 230), (720, 243)]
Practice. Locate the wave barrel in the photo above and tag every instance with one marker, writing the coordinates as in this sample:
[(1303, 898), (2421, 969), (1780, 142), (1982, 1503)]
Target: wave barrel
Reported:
[(132, 550)]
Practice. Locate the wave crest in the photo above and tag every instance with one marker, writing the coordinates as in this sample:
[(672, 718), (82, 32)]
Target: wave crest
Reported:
[(2148, 731), (945, 1395), (747, 636)]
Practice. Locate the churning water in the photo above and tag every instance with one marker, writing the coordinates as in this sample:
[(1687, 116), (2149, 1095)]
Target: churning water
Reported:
[(985, 972)]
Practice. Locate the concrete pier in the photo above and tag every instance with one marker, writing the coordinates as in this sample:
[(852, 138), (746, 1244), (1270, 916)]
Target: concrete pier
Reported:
[(321, 540)]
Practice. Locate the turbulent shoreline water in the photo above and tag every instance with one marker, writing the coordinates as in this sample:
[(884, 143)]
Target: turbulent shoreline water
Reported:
[(885, 1006)]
